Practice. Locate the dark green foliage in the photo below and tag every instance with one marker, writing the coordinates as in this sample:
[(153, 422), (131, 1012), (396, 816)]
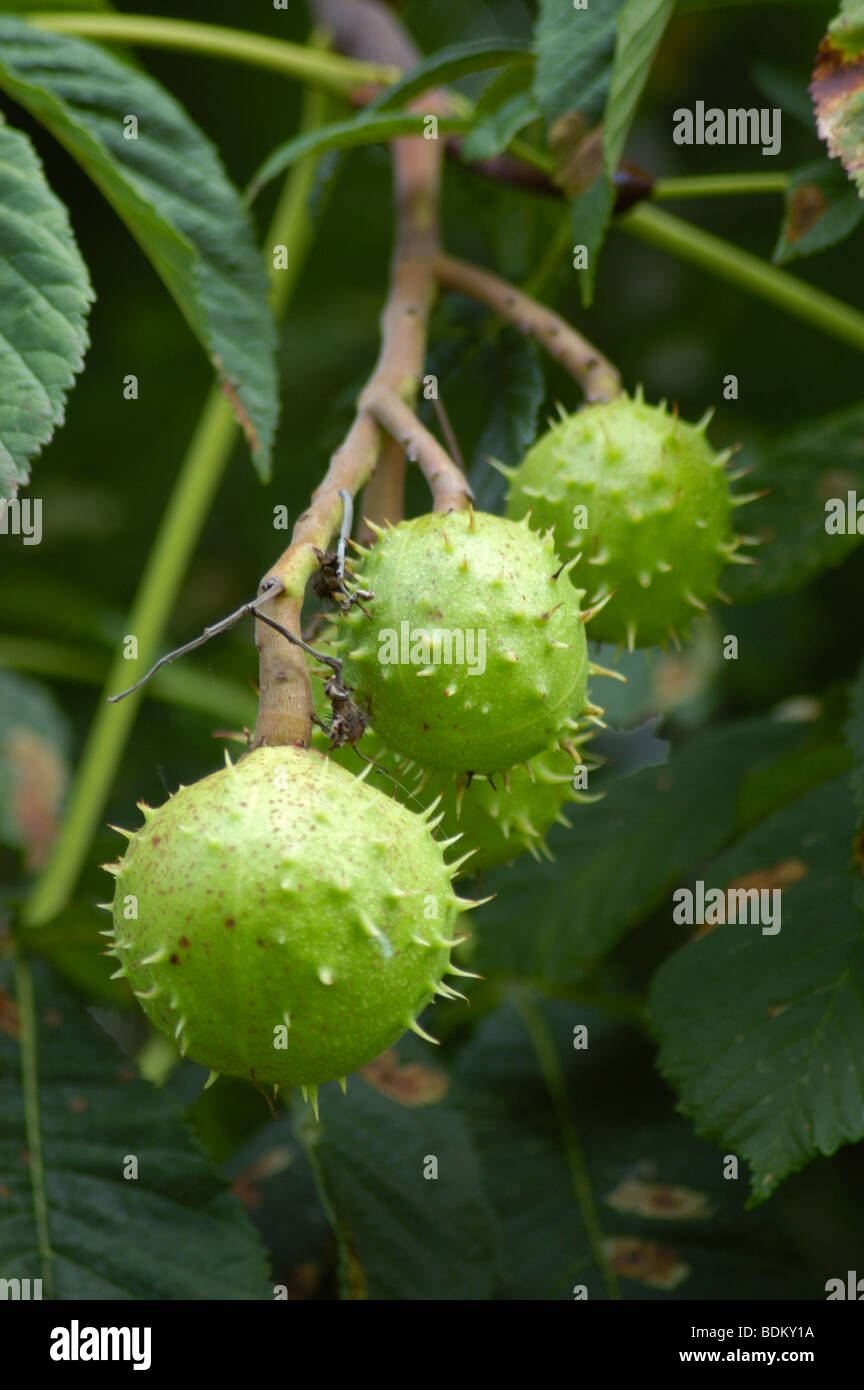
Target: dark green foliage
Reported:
[(624, 1103)]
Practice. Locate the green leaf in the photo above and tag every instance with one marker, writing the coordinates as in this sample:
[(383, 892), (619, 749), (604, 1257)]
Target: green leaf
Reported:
[(855, 741), (55, 6), (762, 1035), (715, 5), (631, 702), (369, 128), (581, 1142), (402, 1235), (641, 25), (591, 211), (67, 1134), (838, 91), (623, 856), (808, 474), (71, 944), (34, 747), (511, 367), (575, 50), (821, 210), (458, 60), (847, 29), (784, 89), (274, 1178), (45, 294), (504, 108), (171, 190)]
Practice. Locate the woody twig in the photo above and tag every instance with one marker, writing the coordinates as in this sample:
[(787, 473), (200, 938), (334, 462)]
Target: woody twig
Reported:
[(286, 706), (597, 377)]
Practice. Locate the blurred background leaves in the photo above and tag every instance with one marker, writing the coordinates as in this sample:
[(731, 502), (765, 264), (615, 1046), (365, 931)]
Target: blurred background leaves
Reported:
[(541, 1146)]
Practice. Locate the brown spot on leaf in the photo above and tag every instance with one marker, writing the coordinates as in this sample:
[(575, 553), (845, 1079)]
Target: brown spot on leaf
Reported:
[(834, 483), (646, 1261), (78, 1104), (38, 781), (661, 1201), (304, 1281), (52, 1018), (781, 875), (578, 152), (9, 1020), (266, 1165), (806, 205), (411, 1084)]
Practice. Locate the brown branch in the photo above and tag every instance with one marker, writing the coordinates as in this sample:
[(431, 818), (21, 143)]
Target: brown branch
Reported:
[(447, 482), (631, 184), (597, 377), (363, 28), (285, 703), (384, 495)]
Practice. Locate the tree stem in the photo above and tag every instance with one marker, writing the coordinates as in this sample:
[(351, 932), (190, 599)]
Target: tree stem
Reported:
[(749, 272), (552, 1071), (306, 63), (447, 482), (32, 1115), (718, 185), (286, 705)]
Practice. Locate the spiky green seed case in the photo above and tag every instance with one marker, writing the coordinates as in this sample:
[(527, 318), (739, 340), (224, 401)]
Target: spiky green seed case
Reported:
[(489, 822), (499, 819), (659, 509), (282, 920), (469, 573)]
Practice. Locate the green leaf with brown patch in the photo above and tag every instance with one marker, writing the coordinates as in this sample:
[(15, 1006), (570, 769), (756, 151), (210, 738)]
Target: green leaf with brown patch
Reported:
[(762, 1033), (821, 210), (596, 1182), (838, 90)]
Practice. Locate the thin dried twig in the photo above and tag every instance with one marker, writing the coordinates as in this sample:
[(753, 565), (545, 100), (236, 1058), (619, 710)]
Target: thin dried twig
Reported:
[(447, 482), (597, 377)]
